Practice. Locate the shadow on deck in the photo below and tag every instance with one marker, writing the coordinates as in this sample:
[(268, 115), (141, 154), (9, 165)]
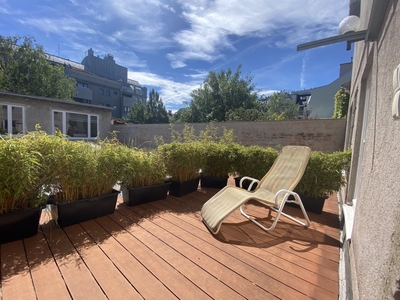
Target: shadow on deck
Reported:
[(162, 250)]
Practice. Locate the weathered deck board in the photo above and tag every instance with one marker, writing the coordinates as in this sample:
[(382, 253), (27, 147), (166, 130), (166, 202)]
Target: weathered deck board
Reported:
[(162, 250)]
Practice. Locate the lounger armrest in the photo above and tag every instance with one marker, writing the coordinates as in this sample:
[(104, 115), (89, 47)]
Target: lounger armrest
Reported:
[(287, 194), (253, 181)]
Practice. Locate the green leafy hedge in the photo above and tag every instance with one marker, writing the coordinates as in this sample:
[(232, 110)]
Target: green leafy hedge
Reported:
[(323, 174)]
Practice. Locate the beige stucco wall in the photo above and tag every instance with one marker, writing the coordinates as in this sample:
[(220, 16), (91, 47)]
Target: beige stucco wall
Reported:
[(375, 244), (38, 110), (319, 135)]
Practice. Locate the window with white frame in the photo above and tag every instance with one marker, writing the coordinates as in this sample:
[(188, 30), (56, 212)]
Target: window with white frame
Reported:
[(76, 125), (12, 119)]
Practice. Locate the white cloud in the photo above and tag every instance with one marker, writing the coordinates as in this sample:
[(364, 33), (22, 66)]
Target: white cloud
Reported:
[(5, 8), (176, 64), (268, 92), (213, 22), (59, 26), (200, 75), (143, 39), (140, 25), (172, 93)]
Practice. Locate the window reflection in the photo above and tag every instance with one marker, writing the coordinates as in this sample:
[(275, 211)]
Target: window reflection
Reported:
[(11, 120), (76, 125)]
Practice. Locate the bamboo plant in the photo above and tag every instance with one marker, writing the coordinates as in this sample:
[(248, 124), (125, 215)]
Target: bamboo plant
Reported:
[(219, 151), (323, 175), (24, 171), (142, 168), (183, 160), (87, 170), (254, 161)]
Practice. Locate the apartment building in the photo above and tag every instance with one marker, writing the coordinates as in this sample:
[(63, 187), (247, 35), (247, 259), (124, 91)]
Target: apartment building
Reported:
[(101, 81), (318, 103)]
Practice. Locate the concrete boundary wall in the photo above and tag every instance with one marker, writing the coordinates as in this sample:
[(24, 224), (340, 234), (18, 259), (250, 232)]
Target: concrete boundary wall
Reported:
[(319, 134)]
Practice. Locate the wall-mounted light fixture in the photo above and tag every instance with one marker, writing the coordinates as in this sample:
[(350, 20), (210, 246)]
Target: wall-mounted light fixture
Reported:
[(348, 24)]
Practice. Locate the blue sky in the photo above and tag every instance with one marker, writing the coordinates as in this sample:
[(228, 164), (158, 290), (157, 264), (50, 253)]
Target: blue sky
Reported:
[(172, 45)]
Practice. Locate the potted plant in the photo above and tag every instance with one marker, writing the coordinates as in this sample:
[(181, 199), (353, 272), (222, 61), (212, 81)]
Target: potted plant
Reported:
[(183, 162), (219, 154), (83, 189), (23, 173), (183, 159), (143, 178), (253, 161), (218, 164), (323, 177)]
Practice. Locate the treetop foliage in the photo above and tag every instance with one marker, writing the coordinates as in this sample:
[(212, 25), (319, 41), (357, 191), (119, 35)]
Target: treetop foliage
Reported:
[(281, 107), (229, 96), (219, 93), (150, 113), (24, 69)]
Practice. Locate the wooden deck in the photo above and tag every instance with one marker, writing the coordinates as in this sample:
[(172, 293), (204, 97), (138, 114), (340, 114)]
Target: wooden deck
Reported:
[(162, 250)]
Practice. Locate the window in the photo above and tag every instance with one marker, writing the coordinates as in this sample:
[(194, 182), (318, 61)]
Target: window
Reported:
[(101, 92), (81, 84), (83, 100), (76, 125), (138, 91), (12, 119), (108, 93)]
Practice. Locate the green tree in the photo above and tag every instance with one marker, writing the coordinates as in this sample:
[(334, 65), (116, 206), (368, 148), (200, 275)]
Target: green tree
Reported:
[(220, 93), (282, 107), (183, 115), (341, 104), (241, 114), (150, 113), (24, 69), (156, 110), (138, 113)]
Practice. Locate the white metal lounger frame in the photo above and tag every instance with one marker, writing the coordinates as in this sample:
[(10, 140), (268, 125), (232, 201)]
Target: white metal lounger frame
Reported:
[(278, 210)]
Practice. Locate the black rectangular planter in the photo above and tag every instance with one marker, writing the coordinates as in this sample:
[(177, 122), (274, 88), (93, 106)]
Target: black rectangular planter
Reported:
[(245, 183), (311, 204), (214, 182), (74, 212), (19, 225), (179, 189), (140, 195)]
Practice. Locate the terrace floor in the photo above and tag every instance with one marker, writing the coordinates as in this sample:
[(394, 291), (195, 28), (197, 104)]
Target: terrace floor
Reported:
[(162, 250)]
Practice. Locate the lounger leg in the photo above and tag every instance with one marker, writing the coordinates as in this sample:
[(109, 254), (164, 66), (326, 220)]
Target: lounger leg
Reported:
[(279, 212), (258, 223)]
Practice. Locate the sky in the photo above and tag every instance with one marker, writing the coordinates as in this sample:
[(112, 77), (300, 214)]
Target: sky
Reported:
[(171, 46)]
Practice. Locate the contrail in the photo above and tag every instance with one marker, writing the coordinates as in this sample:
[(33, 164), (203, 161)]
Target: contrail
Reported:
[(303, 71)]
